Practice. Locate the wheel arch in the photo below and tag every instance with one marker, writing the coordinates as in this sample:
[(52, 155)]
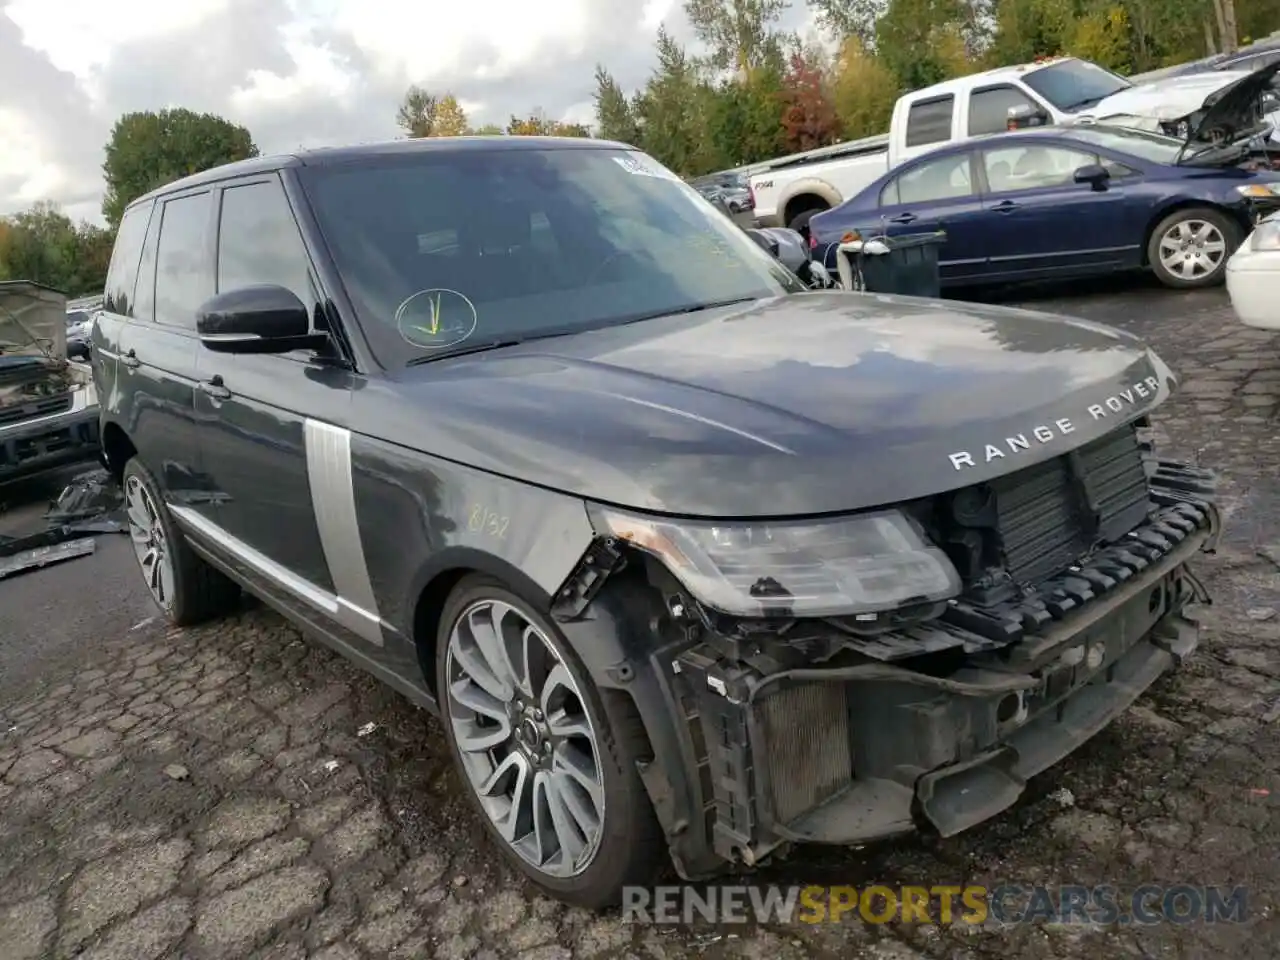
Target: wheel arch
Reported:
[(808, 194), (117, 449), (436, 582)]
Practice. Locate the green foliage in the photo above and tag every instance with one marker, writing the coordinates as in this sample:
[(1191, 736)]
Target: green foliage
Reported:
[(615, 116), (42, 244), (147, 150), (739, 33)]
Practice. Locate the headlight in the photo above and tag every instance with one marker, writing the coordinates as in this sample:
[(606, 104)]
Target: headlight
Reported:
[(1268, 190), (1266, 236), (860, 564)]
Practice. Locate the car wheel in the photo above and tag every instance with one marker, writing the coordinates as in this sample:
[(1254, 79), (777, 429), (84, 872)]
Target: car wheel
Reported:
[(800, 222), (735, 207), (186, 588), (548, 761), (1190, 248)]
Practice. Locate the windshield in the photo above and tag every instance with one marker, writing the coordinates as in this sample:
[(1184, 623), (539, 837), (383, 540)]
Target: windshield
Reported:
[(1138, 143), (1074, 84), (445, 250)]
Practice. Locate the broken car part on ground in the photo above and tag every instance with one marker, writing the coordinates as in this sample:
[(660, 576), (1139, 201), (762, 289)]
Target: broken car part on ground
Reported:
[(687, 557), (90, 504)]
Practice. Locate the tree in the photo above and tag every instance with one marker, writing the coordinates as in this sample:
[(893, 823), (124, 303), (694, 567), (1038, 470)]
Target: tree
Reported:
[(615, 117), (534, 125), (147, 150), (43, 245), (809, 119), (417, 113), (449, 120), (489, 130), (850, 18), (669, 110), (740, 33), (922, 41), (863, 92)]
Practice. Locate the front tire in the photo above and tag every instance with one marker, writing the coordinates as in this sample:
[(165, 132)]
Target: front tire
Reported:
[(1190, 248), (800, 222), (548, 761), (185, 588)]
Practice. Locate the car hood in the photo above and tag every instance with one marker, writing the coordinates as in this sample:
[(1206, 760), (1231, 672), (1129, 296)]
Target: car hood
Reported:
[(805, 404), (33, 320)]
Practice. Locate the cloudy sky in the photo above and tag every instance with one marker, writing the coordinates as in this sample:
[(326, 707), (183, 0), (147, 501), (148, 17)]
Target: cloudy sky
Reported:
[(297, 73)]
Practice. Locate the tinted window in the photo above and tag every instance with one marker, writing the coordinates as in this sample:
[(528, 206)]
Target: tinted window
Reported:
[(943, 179), (122, 274), (445, 246), (1074, 84), (258, 241), (989, 109), (1033, 167), (184, 279), (144, 296), (930, 121)]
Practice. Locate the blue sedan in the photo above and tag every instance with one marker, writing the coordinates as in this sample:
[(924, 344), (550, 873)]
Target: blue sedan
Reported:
[(1054, 202)]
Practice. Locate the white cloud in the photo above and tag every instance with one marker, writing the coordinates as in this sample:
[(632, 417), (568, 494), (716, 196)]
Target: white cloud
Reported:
[(297, 73)]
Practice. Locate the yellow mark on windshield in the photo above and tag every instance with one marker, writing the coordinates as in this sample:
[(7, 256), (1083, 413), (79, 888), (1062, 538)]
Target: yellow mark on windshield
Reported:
[(435, 315)]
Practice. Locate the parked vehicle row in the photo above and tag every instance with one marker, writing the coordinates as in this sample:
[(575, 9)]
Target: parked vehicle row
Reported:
[(1052, 92), (1074, 200), (572, 462)]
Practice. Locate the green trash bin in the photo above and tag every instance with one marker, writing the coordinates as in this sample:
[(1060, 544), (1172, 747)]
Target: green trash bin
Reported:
[(909, 267)]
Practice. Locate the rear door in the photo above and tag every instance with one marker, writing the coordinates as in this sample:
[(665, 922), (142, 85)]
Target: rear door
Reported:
[(1039, 222), (937, 193), (928, 126), (156, 367)]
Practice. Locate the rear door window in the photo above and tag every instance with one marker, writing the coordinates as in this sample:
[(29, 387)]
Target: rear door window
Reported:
[(122, 274), (929, 121), (947, 178), (184, 274)]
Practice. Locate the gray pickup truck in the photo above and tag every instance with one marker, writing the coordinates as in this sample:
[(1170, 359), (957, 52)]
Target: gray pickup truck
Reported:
[(48, 405), (691, 562)]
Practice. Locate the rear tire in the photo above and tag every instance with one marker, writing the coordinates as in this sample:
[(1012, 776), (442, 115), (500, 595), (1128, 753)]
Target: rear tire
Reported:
[(800, 222), (185, 588), (622, 843), (1189, 248)]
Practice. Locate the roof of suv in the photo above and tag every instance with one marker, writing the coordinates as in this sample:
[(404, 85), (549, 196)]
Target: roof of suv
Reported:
[(324, 156)]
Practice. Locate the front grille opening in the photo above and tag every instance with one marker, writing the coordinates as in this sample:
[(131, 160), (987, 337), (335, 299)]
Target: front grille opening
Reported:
[(1037, 522), (33, 408), (808, 750)]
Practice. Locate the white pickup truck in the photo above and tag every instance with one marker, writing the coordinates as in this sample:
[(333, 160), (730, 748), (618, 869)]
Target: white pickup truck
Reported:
[(790, 190)]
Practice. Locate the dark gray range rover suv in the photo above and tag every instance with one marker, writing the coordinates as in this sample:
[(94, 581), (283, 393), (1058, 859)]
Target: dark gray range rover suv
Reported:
[(690, 561)]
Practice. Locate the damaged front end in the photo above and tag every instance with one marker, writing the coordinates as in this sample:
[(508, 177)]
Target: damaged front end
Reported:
[(995, 628)]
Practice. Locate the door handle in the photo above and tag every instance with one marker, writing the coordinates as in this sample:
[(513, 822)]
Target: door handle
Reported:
[(130, 359), (1006, 206), (214, 388), (903, 218)]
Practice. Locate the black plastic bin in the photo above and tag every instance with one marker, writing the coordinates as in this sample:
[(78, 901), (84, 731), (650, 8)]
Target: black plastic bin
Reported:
[(909, 268)]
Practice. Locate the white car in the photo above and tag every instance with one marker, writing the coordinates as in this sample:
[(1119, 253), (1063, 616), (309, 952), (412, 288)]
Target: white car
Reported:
[(1253, 276)]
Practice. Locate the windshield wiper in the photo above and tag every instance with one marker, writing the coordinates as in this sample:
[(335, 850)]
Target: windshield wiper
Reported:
[(463, 351), (692, 308), (1086, 102)]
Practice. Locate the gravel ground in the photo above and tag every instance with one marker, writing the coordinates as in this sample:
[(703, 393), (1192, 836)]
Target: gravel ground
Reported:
[(216, 792)]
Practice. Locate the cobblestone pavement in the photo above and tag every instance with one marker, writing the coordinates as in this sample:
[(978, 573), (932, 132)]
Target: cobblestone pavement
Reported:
[(218, 793)]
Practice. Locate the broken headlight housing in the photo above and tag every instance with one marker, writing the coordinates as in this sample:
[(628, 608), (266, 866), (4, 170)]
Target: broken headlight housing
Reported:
[(1266, 236), (799, 568)]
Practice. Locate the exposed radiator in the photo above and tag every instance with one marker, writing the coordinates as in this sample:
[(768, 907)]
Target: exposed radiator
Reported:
[(35, 407), (808, 754), (1051, 514)]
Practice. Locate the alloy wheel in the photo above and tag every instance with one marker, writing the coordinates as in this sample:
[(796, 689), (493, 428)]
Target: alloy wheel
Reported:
[(150, 545), (528, 747), (1192, 249)]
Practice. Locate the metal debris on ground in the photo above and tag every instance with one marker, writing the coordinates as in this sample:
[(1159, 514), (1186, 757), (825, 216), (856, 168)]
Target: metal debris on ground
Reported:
[(367, 729), (91, 503)]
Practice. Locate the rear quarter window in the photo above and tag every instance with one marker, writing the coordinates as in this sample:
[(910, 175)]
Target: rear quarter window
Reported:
[(929, 121), (122, 273)]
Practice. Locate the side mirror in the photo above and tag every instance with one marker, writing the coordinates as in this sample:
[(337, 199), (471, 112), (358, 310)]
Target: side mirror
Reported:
[(1093, 174), (264, 318)]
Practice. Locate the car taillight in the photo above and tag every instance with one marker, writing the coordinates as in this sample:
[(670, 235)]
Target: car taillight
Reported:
[(751, 195), (813, 239)]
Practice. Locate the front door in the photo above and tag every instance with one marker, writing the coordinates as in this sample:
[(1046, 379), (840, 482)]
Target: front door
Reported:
[(1040, 223), (937, 195), (273, 427)]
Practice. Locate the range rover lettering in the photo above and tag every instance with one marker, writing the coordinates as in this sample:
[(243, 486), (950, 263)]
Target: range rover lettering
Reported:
[(680, 553)]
